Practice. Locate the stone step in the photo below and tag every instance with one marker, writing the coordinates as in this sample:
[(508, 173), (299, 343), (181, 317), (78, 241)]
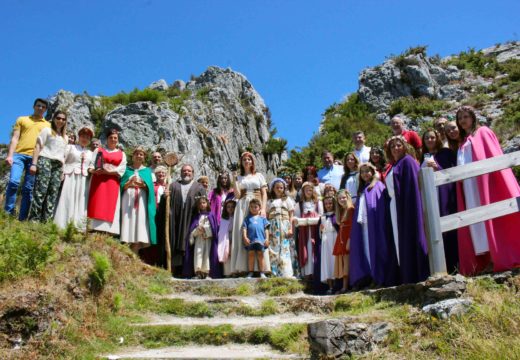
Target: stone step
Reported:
[(253, 305), (238, 286), (235, 321), (230, 351)]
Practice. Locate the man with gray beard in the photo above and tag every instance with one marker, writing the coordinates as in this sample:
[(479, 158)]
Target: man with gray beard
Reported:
[(183, 194)]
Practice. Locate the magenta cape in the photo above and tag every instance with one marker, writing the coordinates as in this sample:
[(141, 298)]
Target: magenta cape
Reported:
[(413, 249), (382, 269), (503, 232)]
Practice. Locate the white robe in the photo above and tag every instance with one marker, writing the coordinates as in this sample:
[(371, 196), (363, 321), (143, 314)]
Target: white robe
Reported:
[(134, 222), (72, 205), (238, 251), (472, 199)]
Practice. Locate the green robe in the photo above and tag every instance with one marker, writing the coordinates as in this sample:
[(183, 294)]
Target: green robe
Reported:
[(146, 175)]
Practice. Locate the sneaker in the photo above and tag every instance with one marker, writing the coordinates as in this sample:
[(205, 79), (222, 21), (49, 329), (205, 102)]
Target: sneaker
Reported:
[(262, 275), (250, 275)]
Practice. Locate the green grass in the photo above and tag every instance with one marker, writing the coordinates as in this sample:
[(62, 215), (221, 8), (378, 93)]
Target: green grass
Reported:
[(417, 107), (25, 251), (288, 337)]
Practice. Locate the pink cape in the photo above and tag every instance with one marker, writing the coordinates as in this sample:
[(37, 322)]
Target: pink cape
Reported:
[(503, 232)]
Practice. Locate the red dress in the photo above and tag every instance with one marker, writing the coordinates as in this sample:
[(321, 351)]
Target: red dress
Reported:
[(104, 189), (341, 246)]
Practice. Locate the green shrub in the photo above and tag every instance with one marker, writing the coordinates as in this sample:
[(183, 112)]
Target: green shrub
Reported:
[(476, 62), (275, 146), (26, 247), (416, 107), (508, 125), (98, 277), (339, 123)]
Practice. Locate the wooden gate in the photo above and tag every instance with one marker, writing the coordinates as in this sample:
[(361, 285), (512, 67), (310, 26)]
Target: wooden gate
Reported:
[(435, 225)]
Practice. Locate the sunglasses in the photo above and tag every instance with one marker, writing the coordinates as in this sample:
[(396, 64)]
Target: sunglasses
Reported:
[(40, 106), (60, 118)]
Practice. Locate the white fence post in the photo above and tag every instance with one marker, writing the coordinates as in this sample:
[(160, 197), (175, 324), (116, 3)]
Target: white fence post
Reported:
[(430, 202)]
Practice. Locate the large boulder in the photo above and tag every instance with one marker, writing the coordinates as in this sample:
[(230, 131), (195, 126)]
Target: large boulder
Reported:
[(223, 116), (410, 75)]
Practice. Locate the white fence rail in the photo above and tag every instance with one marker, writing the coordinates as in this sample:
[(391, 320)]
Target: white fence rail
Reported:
[(436, 225)]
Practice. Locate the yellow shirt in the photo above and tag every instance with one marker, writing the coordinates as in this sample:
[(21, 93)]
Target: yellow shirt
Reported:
[(29, 128)]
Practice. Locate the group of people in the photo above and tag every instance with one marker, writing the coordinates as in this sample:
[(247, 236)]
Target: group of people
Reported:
[(353, 223)]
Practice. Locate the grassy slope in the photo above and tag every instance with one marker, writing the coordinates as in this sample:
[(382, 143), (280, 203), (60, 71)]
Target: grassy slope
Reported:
[(53, 304)]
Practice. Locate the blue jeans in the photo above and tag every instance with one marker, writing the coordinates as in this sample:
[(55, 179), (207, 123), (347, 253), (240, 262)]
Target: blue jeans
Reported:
[(21, 162)]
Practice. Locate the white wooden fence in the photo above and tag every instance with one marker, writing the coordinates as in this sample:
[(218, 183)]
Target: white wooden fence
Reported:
[(435, 224)]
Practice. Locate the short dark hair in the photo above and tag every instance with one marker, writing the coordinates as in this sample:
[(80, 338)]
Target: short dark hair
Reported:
[(255, 201), (42, 101), (112, 131)]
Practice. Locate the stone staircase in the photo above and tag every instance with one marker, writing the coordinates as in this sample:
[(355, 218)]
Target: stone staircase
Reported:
[(262, 311), (269, 318)]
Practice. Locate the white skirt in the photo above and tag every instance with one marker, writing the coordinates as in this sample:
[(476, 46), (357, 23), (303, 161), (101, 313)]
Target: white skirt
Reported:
[(327, 259), (134, 222), (72, 205)]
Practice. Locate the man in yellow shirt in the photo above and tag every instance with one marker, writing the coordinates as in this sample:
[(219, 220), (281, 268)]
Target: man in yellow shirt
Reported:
[(19, 157)]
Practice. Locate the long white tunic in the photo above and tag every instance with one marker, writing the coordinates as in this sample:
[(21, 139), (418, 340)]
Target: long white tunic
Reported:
[(72, 205), (393, 210), (308, 207), (238, 250), (472, 200), (328, 238), (134, 218)]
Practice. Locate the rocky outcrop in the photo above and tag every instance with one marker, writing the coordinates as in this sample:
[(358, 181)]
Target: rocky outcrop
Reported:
[(222, 116), (504, 52), (342, 337), (412, 75)]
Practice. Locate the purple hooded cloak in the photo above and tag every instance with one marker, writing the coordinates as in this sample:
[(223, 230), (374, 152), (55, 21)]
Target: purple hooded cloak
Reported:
[(215, 268), (413, 249), (383, 268)]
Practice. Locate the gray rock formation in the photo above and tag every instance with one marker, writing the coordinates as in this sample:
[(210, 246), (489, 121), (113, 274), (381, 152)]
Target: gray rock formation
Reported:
[(504, 52), (412, 75), (430, 291), (342, 337), (447, 308), (161, 85), (223, 107)]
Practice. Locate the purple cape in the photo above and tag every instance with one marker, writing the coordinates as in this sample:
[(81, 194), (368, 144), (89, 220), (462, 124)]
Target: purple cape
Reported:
[(445, 159), (215, 268), (413, 249), (215, 202), (383, 268)]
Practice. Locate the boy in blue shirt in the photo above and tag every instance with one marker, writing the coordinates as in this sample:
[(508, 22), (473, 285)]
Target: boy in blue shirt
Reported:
[(255, 233)]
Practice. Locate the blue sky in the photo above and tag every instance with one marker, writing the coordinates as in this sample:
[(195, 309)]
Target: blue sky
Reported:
[(301, 56)]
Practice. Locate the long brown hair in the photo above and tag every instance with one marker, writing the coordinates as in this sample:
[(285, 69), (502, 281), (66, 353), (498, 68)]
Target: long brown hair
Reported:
[(438, 142), (253, 167), (471, 112), (63, 130), (341, 212)]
